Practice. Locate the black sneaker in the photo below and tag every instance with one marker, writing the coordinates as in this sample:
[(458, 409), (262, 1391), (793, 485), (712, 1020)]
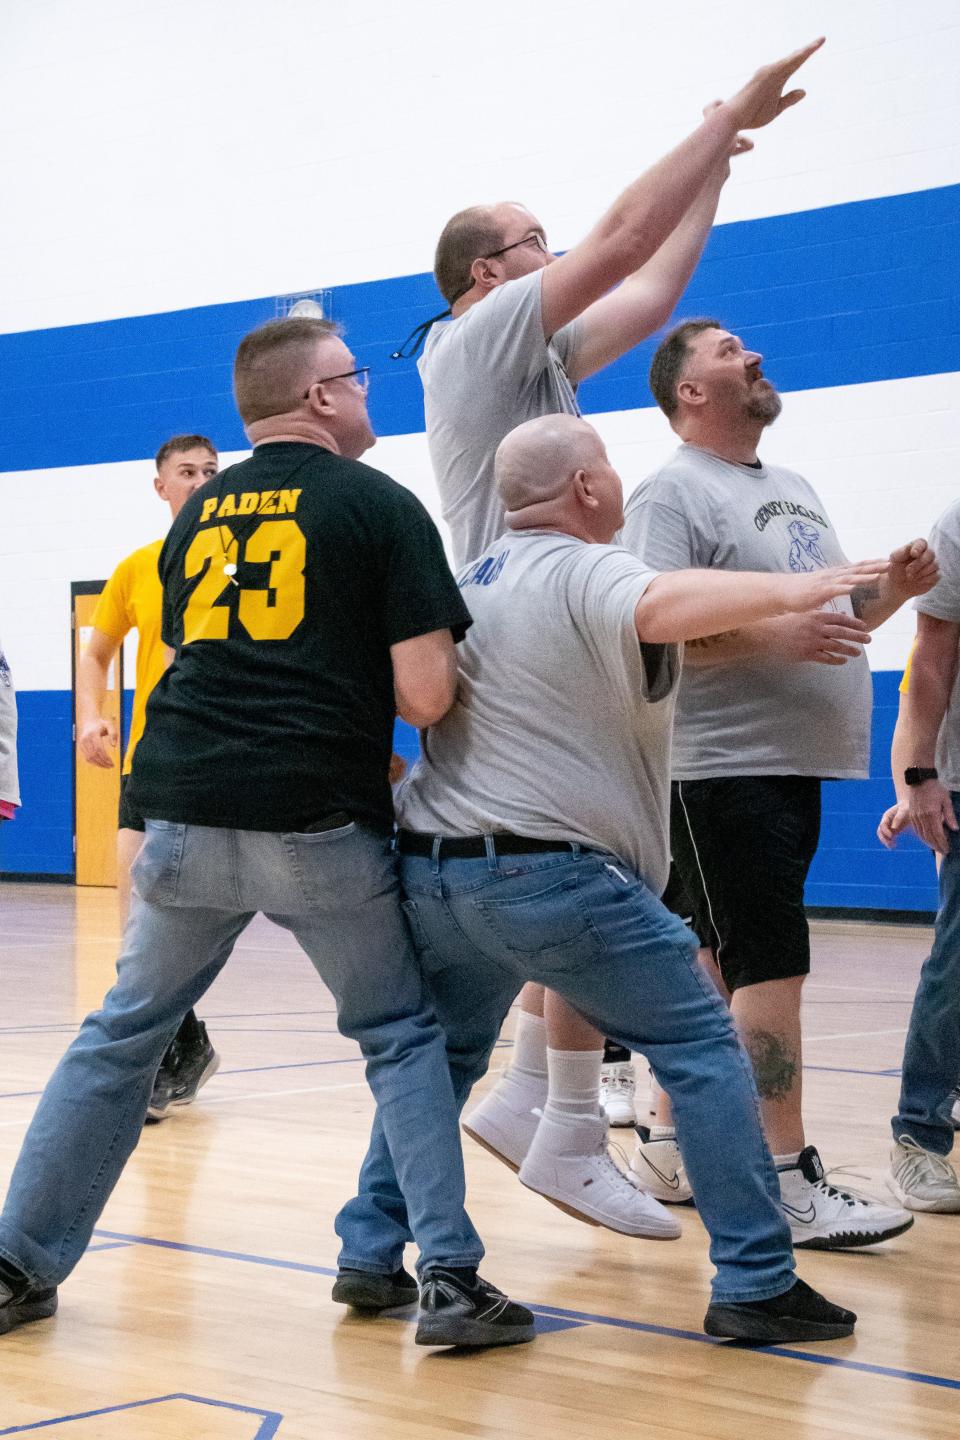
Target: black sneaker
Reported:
[(20, 1303), (800, 1313), (182, 1071), (365, 1290), (458, 1308)]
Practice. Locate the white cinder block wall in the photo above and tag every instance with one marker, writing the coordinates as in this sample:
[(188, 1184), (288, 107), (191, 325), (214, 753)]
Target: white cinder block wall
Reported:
[(174, 156)]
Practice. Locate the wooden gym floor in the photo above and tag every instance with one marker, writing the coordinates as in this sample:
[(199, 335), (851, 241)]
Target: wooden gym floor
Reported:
[(202, 1310)]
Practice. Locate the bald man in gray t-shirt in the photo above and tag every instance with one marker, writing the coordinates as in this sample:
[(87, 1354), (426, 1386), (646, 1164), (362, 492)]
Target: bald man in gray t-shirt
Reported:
[(533, 845)]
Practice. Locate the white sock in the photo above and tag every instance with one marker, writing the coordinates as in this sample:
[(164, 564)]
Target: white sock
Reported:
[(574, 1092), (784, 1162), (529, 1058), (662, 1132)]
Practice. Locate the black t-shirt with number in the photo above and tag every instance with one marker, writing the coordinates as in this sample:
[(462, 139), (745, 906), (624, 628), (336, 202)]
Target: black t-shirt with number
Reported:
[(279, 708)]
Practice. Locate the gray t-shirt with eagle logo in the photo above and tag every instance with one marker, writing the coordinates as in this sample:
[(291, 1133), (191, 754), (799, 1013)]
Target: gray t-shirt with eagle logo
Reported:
[(745, 717)]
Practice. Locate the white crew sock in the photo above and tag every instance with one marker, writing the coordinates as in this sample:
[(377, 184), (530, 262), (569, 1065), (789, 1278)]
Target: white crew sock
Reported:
[(574, 1092), (784, 1162), (524, 1082)]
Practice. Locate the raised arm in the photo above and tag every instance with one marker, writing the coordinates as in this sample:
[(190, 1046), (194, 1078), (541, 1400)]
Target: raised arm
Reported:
[(97, 735), (641, 219), (688, 604), (646, 300), (424, 677)]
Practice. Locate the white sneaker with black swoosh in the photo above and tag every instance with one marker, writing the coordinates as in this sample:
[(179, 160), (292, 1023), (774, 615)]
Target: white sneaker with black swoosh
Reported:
[(821, 1217), (658, 1165)]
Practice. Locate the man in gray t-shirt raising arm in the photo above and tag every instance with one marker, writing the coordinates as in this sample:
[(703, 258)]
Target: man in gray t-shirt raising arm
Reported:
[(526, 327), (763, 714), (534, 846)]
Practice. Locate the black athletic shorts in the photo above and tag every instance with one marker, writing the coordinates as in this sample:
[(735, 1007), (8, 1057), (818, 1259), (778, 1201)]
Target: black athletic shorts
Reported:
[(677, 898), (128, 818), (742, 848)]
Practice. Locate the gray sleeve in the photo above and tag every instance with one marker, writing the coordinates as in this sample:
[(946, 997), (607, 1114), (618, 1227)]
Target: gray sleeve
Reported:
[(9, 783), (605, 586), (943, 601), (662, 532), (503, 335)]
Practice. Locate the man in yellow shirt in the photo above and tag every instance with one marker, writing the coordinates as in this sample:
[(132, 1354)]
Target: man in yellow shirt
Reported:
[(132, 600)]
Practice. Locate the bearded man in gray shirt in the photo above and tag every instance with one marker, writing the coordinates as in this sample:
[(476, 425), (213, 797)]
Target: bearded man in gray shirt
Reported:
[(526, 327), (764, 713), (533, 846)]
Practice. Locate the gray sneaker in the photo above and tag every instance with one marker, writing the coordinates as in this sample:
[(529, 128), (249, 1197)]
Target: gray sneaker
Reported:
[(922, 1180)]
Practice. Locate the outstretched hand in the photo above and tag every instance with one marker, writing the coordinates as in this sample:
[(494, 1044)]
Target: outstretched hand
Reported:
[(814, 590), (762, 99)]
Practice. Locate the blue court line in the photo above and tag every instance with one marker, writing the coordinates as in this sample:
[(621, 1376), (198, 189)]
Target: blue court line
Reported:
[(270, 1419), (358, 1060), (584, 1317)]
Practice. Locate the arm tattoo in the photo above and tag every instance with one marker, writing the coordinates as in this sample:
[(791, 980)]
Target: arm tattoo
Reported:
[(705, 642), (861, 597), (774, 1063)]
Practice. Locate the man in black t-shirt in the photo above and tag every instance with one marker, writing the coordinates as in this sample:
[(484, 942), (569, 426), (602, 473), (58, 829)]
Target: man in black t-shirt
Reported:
[(307, 600)]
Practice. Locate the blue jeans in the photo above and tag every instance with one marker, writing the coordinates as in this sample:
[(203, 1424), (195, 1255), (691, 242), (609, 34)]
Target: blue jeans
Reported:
[(931, 1057), (584, 925), (197, 888)]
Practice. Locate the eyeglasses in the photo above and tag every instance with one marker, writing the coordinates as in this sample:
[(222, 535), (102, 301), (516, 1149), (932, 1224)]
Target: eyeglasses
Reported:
[(361, 376), (535, 239)]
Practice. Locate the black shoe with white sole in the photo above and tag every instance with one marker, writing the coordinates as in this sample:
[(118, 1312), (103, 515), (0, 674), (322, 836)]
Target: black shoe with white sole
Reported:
[(458, 1308), (800, 1313), (21, 1303), (365, 1290)]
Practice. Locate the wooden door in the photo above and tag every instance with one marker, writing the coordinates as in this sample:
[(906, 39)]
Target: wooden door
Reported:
[(96, 791)]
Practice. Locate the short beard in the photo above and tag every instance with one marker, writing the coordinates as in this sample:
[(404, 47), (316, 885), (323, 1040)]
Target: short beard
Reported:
[(764, 406)]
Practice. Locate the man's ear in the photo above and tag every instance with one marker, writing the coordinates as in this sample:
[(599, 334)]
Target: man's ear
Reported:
[(483, 274), (584, 491), (691, 393)]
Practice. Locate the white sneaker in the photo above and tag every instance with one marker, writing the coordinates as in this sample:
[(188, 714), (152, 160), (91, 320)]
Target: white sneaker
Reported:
[(821, 1217), (570, 1166), (921, 1179), (618, 1085), (658, 1165), (506, 1120)]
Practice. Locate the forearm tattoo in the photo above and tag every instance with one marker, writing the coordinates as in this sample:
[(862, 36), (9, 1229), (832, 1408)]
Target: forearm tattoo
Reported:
[(861, 597), (774, 1063), (706, 642)]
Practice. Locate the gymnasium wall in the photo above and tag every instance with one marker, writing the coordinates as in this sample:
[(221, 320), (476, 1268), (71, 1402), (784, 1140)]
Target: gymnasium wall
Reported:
[(173, 170)]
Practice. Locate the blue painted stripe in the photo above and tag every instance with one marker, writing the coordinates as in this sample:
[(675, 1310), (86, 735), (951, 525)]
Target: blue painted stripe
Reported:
[(851, 868), (584, 1317), (270, 1419), (850, 293)]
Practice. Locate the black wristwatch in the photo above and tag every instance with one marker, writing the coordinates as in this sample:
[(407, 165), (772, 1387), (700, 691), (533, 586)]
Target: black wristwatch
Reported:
[(916, 774)]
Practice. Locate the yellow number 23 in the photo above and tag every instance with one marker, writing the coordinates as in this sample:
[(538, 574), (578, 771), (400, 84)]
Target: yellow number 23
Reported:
[(272, 613)]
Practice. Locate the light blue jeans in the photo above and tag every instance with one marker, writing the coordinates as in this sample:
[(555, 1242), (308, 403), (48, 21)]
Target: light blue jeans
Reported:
[(584, 925), (197, 888), (931, 1057)]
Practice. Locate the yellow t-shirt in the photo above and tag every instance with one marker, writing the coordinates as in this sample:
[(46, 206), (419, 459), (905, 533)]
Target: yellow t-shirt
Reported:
[(905, 682), (133, 600)]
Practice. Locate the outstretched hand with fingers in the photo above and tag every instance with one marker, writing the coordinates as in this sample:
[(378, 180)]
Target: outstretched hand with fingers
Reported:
[(762, 99), (813, 591)]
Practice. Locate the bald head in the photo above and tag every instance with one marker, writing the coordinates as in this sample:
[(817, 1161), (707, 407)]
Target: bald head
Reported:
[(537, 462)]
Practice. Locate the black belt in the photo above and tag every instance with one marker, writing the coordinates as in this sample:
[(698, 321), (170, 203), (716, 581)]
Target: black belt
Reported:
[(474, 847)]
